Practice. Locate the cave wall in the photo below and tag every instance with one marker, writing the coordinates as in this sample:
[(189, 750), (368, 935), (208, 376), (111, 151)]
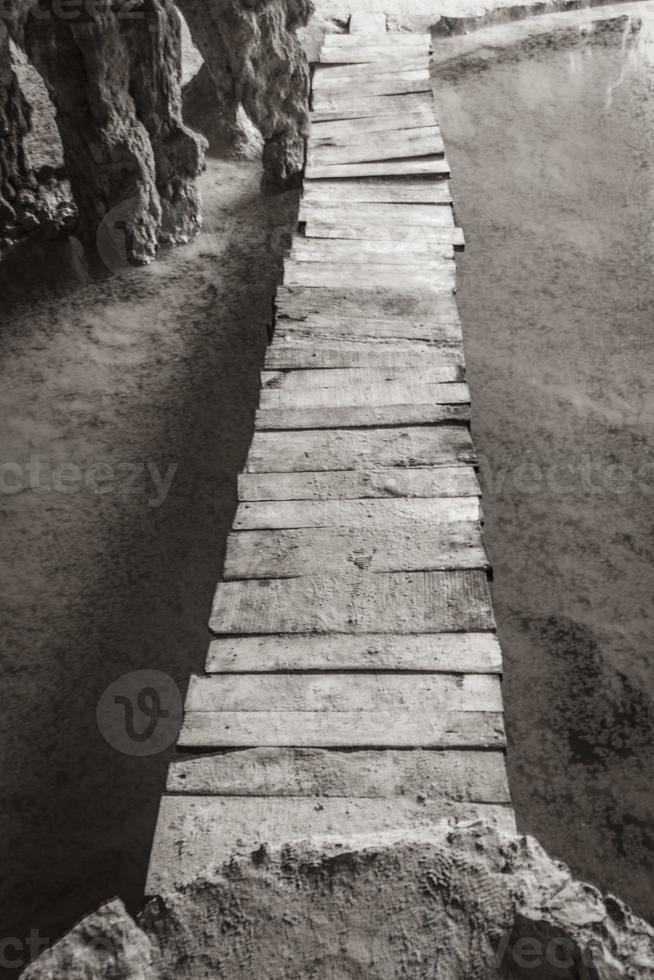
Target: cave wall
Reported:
[(14, 126), (255, 60)]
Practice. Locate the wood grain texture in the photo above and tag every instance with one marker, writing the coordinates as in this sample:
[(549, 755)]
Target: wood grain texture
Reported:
[(406, 602), (380, 105), (381, 190), (344, 449), (386, 393), (362, 252), (474, 653), (435, 481), (338, 131), (422, 215), (310, 353), (335, 692), (377, 513), (335, 377), (462, 777), (428, 277), (381, 55), (411, 60), (291, 553), (195, 835), (360, 417), (298, 303), (422, 166), (356, 729), (376, 231), (325, 328), (338, 92), (391, 145)]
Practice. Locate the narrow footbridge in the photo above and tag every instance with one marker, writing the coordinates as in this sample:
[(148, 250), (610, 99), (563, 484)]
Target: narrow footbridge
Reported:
[(354, 684)]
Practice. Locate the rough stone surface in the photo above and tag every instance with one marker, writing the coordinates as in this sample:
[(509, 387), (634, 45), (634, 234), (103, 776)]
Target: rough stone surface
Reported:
[(107, 945), (255, 59), (231, 134), (463, 904), (14, 127), (115, 83)]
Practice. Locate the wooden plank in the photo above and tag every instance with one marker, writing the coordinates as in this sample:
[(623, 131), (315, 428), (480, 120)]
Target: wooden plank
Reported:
[(327, 329), (352, 302), (411, 59), (421, 215), (196, 835), (477, 653), (394, 602), (380, 190), (335, 377), (387, 393), (375, 231), (361, 417), (342, 449), (378, 105), (290, 553), (343, 354), (366, 22), (436, 277), (325, 132), (464, 777), (343, 729), (362, 514), (373, 54), (392, 39), (424, 166), (362, 252), (335, 692), (437, 481), (394, 145), (337, 94)]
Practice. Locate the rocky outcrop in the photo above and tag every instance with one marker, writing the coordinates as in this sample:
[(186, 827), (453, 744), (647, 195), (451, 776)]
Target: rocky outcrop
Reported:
[(231, 134), (114, 78), (464, 903), (107, 945), (14, 127), (255, 59)]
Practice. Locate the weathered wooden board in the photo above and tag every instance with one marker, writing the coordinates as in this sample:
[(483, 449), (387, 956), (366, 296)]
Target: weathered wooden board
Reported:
[(473, 653), (361, 416), (290, 553), (436, 481), (424, 166), (373, 54), (343, 449), (436, 277), (378, 105), (425, 142), (386, 393), (326, 132), (346, 329), (363, 514), (356, 729), (337, 92), (411, 59), (422, 215), (392, 39), (464, 777), (362, 252), (296, 302), (334, 378), (382, 190), (195, 835), (346, 354), (394, 602), (376, 231), (335, 692)]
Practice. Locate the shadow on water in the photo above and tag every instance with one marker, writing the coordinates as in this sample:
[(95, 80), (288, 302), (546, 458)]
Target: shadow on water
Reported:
[(151, 373)]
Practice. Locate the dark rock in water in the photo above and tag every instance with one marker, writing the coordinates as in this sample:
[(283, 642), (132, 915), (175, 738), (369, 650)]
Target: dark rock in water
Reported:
[(254, 57)]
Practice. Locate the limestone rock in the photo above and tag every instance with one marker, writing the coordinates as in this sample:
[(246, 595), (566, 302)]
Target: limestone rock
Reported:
[(231, 134), (107, 945), (254, 56), (463, 904)]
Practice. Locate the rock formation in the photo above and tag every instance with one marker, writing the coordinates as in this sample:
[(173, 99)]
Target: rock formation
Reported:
[(464, 903), (217, 116), (113, 73), (255, 59), (14, 126)]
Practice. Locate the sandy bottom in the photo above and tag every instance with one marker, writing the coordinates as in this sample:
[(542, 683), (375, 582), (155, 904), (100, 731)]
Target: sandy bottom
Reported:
[(552, 157), (127, 405)]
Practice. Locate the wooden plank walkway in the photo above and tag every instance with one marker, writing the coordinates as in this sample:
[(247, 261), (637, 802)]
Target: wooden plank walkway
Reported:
[(354, 682)]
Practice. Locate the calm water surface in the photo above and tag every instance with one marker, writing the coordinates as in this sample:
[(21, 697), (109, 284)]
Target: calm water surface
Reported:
[(552, 148)]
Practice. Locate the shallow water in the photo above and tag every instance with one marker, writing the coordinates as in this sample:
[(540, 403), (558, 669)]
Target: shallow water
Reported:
[(552, 153)]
